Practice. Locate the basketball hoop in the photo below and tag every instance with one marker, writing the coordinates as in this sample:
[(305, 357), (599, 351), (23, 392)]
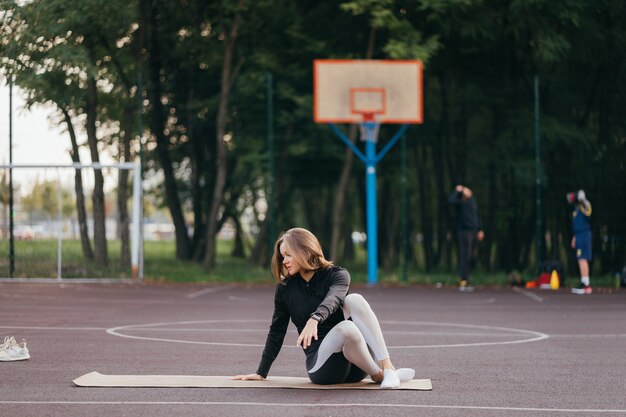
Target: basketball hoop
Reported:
[(369, 128), (368, 93)]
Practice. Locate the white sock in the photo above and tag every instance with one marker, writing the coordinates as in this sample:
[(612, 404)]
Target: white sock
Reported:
[(405, 374), (585, 280), (390, 381)]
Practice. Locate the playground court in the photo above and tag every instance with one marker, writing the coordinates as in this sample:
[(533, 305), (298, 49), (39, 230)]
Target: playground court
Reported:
[(495, 352)]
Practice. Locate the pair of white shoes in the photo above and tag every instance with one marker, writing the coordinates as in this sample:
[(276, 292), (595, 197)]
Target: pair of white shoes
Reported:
[(392, 379)]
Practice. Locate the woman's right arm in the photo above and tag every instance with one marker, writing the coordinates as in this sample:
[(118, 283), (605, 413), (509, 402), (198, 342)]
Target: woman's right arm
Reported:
[(275, 337)]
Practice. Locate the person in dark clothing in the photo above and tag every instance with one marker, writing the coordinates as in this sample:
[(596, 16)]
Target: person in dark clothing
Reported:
[(581, 241), (338, 332), (469, 230)]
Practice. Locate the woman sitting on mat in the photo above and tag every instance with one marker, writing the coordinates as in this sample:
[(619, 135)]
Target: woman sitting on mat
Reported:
[(339, 332)]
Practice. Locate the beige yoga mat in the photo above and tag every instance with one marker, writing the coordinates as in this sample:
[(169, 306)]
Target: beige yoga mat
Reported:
[(96, 379)]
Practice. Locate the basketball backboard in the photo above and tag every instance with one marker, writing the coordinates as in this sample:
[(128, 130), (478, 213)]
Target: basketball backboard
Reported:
[(354, 91)]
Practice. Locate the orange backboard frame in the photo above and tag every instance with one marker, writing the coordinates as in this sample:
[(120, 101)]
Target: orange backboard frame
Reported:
[(398, 82)]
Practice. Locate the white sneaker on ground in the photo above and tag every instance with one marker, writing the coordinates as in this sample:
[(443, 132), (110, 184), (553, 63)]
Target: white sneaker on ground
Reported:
[(10, 350), (390, 380)]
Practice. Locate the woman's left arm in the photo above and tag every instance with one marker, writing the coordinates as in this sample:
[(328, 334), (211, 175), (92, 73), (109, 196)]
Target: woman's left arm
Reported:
[(340, 282)]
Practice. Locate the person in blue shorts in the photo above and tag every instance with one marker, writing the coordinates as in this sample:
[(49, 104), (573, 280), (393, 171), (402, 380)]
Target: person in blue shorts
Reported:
[(338, 332), (581, 241)]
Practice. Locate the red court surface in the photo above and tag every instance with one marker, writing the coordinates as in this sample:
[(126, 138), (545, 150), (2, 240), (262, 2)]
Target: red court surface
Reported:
[(495, 352)]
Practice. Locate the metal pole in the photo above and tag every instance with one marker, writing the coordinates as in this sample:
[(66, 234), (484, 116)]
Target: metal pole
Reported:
[(11, 210), (271, 230), (59, 227), (139, 177), (538, 232), (405, 211), (372, 232), (136, 229)]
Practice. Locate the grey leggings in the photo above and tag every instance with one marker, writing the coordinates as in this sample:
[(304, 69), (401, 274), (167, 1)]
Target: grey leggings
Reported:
[(351, 349)]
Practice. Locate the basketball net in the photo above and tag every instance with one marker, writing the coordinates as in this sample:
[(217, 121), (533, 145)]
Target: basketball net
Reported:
[(369, 128)]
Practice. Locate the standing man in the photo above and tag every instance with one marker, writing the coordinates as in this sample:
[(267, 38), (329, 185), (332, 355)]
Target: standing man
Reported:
[(581, 241), (469, 227)]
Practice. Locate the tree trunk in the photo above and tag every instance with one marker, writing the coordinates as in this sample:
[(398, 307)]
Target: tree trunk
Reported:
[(123, 231), (199, 174), (340, 197), (99, 229), (157, 123), (78, 188), (262, 250), (220, 160), (259, 254), (427, 217), (239, 249)]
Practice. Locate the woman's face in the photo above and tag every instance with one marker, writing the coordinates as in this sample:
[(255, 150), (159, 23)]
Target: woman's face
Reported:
[(292, 265)]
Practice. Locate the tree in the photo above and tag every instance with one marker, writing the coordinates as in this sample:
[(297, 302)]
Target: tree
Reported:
[(49, 44)]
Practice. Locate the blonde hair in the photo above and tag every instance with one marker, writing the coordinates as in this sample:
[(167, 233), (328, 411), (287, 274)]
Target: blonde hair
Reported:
[(304, 248)]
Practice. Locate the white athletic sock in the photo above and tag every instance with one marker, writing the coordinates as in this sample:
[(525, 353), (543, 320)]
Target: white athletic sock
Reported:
[(405, 374), (585, 280), (391, 380)]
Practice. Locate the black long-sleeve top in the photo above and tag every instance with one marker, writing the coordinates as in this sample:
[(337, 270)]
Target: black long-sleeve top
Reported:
[(468, 217), (297, 299)]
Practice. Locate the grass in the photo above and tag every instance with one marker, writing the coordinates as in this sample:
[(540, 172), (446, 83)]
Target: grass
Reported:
[(161, 264), (38, 259)]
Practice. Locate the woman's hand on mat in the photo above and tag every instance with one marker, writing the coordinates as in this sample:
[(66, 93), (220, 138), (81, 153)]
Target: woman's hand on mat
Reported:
[(249, 377), (308, 334)]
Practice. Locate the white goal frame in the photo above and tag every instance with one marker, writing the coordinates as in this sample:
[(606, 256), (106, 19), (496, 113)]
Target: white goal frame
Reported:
[(136, 235)]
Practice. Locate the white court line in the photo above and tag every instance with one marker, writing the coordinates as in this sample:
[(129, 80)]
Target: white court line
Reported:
[(532, 335), (316, 405), (528, 294), (208, 291), (594, 335), (584, 336), (264, 331), (52, 328)]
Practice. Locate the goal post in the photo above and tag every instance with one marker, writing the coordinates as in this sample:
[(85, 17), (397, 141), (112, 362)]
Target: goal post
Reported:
[(35, 232)]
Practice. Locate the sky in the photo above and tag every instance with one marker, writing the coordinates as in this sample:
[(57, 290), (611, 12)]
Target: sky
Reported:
[(36, 140)]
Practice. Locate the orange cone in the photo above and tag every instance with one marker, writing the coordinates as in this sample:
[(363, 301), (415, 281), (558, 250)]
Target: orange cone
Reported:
[(554, 280)]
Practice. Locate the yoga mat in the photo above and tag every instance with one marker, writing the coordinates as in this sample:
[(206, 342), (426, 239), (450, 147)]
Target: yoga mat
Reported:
[(96, 379)]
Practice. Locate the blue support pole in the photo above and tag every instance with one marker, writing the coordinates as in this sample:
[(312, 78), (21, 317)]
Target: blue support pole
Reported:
[(370, 159), (372, 227)]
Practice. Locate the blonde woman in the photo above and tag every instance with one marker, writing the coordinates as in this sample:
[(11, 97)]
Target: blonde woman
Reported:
[(338, 332)]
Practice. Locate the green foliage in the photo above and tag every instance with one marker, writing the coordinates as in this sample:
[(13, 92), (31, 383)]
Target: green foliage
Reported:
[(43, 199)]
